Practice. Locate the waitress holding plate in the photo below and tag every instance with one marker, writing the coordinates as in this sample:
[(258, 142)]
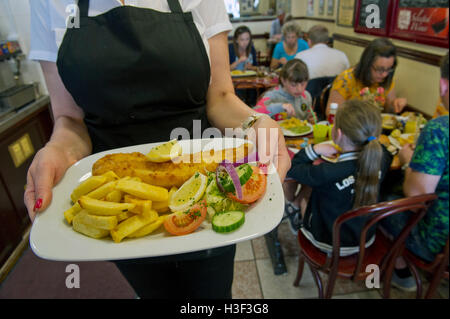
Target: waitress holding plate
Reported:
[(130, 73)]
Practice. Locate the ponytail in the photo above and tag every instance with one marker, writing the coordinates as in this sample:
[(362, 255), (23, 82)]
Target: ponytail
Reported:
[(360, 121), (368, 174)]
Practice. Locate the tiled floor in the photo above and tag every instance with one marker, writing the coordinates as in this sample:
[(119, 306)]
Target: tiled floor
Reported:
[(254, 276)]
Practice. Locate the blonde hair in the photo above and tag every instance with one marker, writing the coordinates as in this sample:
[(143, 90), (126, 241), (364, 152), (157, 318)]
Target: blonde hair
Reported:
[(360, 122), (291, 27)]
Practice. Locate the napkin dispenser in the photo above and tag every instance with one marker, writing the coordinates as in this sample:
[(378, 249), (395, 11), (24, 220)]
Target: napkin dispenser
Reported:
[(17, 96)]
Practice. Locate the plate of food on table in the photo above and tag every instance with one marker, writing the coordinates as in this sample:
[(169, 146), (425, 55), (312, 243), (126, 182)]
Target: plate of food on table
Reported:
[(159, 199), (401, 130), (242, 73), (293, 127)]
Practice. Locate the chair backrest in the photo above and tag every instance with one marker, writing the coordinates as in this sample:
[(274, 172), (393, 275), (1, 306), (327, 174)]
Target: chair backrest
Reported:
[(374, 213), (316, 86), (323, 100), (262, 59)]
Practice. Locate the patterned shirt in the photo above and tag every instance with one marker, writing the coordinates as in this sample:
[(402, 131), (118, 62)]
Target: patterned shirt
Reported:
[(350, 87), (431, 157), (272, 103)]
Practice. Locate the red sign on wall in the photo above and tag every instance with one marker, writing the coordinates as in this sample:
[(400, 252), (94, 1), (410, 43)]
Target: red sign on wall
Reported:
[(428, 25)]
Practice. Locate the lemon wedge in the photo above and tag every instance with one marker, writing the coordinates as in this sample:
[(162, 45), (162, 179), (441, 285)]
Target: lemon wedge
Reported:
[(189, 193), (165, 152)]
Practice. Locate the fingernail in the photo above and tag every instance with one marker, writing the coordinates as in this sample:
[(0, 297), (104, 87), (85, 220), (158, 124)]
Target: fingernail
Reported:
[(38, 204)]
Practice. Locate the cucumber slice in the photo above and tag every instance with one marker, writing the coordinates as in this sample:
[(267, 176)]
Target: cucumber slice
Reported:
[(244, 172), (228, 221)]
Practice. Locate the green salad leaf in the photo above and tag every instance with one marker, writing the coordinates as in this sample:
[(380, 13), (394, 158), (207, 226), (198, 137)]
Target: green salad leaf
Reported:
[(218, 200)]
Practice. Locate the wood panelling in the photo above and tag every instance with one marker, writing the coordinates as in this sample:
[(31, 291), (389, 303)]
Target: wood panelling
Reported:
[(416, 55), (14, 218)]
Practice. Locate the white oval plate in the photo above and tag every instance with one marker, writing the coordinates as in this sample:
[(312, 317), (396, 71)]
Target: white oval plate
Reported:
[(52, 238), (288, 133)]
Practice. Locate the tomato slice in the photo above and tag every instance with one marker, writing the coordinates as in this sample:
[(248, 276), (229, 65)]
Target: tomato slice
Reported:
[(183, 223), (253, 189)]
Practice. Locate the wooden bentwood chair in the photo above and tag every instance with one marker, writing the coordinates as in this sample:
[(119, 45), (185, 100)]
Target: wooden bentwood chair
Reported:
[(382, 252), (438, 269), (318, 88)]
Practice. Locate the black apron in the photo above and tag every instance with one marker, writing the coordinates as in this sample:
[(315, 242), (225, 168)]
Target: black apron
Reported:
[(137, 74)]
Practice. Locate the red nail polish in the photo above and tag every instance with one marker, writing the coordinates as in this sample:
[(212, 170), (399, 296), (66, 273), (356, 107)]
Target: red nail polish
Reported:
[(38, 204)]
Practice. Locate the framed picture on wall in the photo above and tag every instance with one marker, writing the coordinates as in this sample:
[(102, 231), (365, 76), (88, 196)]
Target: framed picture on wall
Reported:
[(321, 7), (373, 16), (330, 8), (345, 13), (424, 22), (310, 8)]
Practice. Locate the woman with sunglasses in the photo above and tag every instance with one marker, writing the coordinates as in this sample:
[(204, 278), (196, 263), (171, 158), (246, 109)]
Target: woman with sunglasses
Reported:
[(371, 78)]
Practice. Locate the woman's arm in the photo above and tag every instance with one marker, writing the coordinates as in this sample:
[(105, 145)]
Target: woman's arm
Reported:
[(393, 103), (69, 143), (221, 95), (235, 63), (67, 115), (226, 110), (274, 63)]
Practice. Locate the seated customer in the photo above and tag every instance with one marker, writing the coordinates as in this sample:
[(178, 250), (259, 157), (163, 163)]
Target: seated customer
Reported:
[(242, 52), (322, 61), (427, 173), (287, 49), (372, 77), (290, 96), (275, 27), (351, 182)]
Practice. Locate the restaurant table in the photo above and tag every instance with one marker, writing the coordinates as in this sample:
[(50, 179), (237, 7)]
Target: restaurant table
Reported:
[(258, 83)]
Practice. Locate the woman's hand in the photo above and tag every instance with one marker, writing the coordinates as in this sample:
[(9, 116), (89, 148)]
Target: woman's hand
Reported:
[(283, 61), (271, 145), (242, 58), (399, 104), (46, 170), (289, 109)]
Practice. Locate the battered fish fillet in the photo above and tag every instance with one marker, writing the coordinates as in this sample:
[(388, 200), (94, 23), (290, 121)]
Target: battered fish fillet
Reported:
[(167, 174)]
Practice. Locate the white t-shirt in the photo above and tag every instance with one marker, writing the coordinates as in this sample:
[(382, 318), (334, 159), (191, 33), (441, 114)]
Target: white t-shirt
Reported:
[(322, 60), (48, 20)]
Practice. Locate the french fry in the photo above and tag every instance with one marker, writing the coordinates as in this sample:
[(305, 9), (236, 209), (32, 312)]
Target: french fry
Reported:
[(163, 207), (124, 216), (87, 186), (130, 225), (141, 204), (151, 213), (98, 207), (102, 191), (143, 190), (72, 212), (110, 176), (101, 222), (148, 229), (88, 230), (114, 196)]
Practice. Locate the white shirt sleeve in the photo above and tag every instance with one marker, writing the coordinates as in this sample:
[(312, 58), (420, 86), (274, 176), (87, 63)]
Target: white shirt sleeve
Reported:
[(214, 16), (42, 37)]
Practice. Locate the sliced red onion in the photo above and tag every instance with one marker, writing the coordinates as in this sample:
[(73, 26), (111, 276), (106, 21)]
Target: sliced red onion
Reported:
[(233, 175)]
